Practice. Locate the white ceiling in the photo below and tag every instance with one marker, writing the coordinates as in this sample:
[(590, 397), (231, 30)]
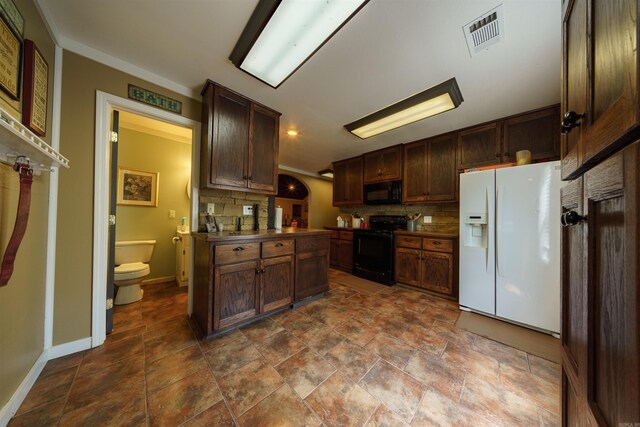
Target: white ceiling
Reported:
[(390, 50)]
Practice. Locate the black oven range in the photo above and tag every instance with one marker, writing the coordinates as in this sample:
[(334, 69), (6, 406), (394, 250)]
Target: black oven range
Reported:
[(373, 248)]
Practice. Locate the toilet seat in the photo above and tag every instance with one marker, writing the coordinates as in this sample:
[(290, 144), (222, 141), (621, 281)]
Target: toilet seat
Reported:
[(130, 271)]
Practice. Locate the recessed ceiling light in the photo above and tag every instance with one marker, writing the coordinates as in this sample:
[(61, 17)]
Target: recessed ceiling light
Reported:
[(281, 35), (292, 132), (435, 100)]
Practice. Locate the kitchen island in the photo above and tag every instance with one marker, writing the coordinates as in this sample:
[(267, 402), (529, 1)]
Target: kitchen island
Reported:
[(241, 276)]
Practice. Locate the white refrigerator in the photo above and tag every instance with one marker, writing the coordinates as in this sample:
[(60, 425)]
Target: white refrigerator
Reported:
[(510, 244)]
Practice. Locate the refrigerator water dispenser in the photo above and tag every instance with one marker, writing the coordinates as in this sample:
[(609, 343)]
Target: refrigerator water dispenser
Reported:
[(475, 230)]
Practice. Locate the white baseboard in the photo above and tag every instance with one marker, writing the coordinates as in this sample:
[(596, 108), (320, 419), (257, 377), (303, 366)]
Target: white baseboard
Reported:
[(9, 410), (69, 348)]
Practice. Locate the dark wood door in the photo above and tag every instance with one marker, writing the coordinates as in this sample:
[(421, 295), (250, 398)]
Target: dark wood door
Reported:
[(537, 131), (334, 252), (236, 294), (574, 307), (347, 182), (345, 255), (230, 139), (113, 192), (574, 87), (408, 266), (383, 165), (479, 146), (437, 272), (614, 108), (414, 182), (311, 274), (277, 283), (354, 181), (263, 149), (340, 179), (441, 168), (613, 358)]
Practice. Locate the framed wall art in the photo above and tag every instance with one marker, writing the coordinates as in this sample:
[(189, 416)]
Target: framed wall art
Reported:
[(35, 86), (137, 188), (10, 66)]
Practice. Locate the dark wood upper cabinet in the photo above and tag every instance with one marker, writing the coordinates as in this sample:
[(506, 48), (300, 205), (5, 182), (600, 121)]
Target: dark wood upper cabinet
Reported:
[(383, 165), (347, 182), (536, 131), (430, 170), (479, 146), (239, 142), (441, 168), (414, 182), (600, 81)]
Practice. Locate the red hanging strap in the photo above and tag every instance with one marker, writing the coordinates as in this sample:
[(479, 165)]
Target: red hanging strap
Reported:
[(22, 216)]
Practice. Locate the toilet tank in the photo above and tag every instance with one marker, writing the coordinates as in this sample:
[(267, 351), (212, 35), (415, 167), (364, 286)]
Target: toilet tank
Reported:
[(128, 251)]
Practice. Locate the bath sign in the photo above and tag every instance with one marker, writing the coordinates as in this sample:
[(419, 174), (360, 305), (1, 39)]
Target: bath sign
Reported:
[(155, 99)]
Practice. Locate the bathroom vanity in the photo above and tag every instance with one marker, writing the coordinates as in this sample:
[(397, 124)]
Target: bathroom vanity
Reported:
[(239, 276)]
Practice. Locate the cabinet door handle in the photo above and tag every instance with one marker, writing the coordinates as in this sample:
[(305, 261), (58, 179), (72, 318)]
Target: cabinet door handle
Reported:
[(279, 245), (571, 120), (262, 271), (238, 249), (437, 243), (570, 218), (250, 178), (497, 155)]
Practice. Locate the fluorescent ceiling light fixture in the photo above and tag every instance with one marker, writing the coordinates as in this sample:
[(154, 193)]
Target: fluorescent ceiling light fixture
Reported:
[(281, 35), (435, 100), (327, 173)]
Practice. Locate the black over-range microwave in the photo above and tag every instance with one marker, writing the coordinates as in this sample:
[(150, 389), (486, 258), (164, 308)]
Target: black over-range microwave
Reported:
[(383, 193)]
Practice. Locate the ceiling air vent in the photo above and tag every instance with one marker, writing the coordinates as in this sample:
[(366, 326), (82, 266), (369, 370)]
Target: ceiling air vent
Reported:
[(485, 31)]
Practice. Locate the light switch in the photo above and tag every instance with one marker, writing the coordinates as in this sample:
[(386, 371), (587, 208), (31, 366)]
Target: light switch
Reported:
[(211, 208), (172, 213), (247, 210), (427, 219)]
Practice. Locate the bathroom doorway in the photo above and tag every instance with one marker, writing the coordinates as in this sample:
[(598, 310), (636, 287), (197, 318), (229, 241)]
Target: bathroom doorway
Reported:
[(105, 104)]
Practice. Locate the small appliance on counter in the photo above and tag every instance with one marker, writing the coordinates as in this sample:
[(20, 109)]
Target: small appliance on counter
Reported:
[(373, 248)]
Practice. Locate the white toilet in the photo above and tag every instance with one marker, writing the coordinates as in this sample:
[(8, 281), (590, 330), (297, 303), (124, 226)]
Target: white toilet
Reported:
[(131, 259)]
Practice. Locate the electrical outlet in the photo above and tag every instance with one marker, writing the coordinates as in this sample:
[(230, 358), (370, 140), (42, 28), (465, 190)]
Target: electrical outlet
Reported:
[(427, 219), (172, 213), (211, 208), (247, 210)]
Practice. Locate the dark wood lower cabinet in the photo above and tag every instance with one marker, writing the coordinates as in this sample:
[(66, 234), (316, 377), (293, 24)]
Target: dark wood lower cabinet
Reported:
[(427, 261), (237, 288), (341, 249), (312, 267), (437, 272), (238, 280), (601, 295), (277, 283)]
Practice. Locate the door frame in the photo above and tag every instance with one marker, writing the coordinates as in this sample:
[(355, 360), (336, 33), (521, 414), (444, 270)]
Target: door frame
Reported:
[(105, 103)]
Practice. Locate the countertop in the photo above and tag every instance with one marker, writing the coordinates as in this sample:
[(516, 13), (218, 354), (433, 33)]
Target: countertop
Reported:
[(259, 234)]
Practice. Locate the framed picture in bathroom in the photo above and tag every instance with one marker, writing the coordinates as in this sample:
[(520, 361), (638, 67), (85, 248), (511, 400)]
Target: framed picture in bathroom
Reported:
[(137, 188)]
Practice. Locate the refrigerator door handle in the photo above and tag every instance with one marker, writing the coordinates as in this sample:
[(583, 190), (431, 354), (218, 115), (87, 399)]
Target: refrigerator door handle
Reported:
[(486, 246), (499, 197)]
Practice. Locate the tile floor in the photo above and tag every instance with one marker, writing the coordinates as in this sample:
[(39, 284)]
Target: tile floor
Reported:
[(391, 359)]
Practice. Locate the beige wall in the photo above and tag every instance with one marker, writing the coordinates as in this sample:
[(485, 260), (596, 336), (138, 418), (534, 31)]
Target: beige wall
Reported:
[(321, 210), (172, 160), (287, 208), (81, 77), (22, 300)]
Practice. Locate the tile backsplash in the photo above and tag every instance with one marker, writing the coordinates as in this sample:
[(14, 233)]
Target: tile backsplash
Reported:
[(228, 208), (445, 217)]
